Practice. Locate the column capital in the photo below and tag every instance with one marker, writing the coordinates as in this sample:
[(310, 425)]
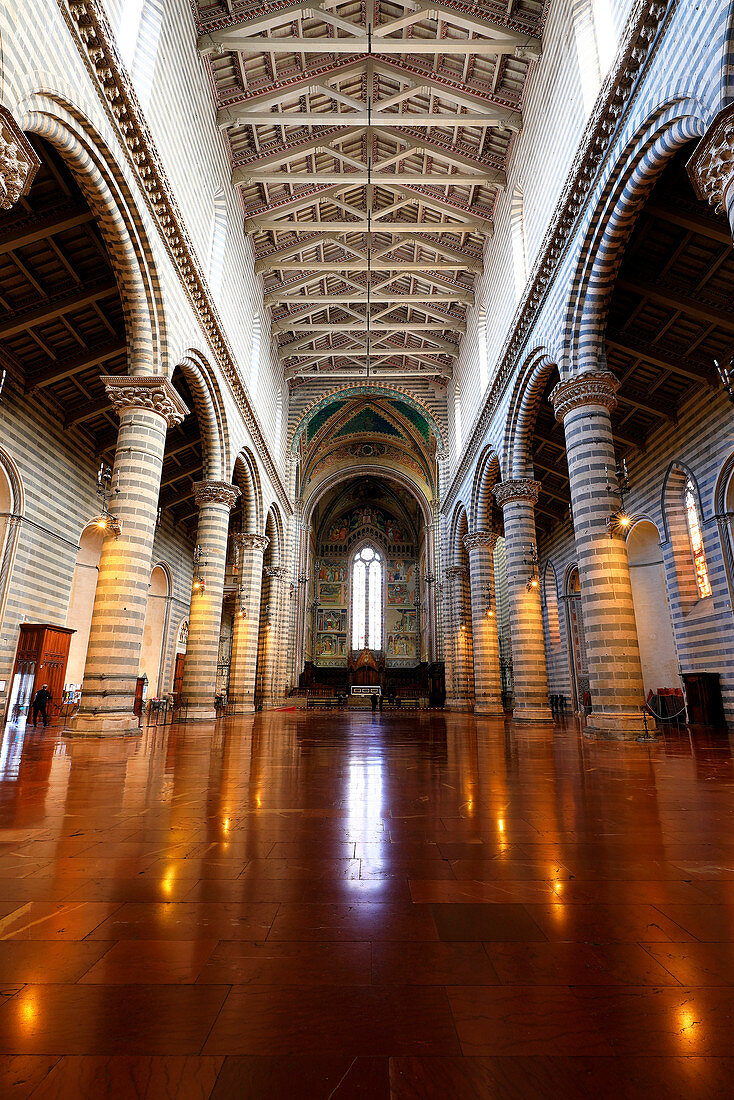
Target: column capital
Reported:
[(598, 387), (18, 161), (249, 541), (519, 488), (455, 571), (153, 392), (711, 168), (277, 571), (479, 540), (216, 492)]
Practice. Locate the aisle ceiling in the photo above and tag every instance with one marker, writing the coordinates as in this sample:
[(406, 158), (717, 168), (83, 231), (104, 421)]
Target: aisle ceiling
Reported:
[(369, 142), (670, 317)]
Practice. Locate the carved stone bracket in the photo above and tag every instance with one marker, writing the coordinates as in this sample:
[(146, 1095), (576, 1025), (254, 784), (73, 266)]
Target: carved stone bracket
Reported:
[(480, 540), (248, 541), (145, 391), (277, 572), (18, 161), (589, 388), (711, 168), (216, 492), (521, 488)]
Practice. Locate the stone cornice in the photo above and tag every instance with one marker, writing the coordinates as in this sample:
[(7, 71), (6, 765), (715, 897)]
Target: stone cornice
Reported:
[(711, 168), (455, 571), (641, 31), (216, 492), (91, 31), (588, 388), (480, 540), (18, 161), (145, 391), (521, 488)]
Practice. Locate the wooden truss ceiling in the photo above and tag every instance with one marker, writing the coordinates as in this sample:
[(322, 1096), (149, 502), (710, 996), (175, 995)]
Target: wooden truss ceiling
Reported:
[(670, 316), (369, 142)]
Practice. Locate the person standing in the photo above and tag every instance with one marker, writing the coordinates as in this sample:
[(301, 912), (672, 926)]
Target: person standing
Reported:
[(40, 704), (373, 700)]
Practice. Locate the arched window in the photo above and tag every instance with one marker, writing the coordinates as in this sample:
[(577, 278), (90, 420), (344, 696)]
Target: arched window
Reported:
[(278, 419), (483, 359), (695, 537), (255, 354), (457, 420), (138, 32), (517, 234), (217, 243), (367, 599), (584, 31)]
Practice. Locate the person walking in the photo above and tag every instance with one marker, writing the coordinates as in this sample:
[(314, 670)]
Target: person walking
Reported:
[(40, 704)]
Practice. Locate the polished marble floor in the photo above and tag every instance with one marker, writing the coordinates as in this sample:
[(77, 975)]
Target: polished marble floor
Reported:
[(412, 905)]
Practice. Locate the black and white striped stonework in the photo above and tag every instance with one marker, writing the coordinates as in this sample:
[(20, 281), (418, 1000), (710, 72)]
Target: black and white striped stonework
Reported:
[(487, 680), (583, 404), (215, 500), (517, 499)]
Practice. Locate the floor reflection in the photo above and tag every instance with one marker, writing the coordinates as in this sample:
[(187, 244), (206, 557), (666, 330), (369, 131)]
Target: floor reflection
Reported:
[(416, 886)]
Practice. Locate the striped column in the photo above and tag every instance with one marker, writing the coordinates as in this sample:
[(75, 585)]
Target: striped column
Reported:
[(583, 405), (487, 679), (460, 687), (146, 405), (250, 549), (215, 500), (274, 673), (517, 499)]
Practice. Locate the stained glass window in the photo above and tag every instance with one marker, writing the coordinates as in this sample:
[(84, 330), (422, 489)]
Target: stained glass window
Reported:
[(367, 599), (695, 536)]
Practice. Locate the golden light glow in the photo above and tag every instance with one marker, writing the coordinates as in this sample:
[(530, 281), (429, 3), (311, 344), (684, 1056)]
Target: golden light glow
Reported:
[(501, 825), (168, 880), (558, 886), (101, 523), (688, 1027), (28, 1011), (225, 824), (624, 521)]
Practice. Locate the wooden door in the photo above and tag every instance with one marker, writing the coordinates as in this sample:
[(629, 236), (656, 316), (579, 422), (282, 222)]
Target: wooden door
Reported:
[(178, 677)]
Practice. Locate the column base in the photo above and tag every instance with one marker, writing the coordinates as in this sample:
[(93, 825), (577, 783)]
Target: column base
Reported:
[(532, 714), (459, 704), (618, 727), (489, 709), (102, 725), (202, 713), (242, 708)]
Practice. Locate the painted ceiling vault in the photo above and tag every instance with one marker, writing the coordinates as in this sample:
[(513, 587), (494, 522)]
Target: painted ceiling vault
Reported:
[(369, 141), (357, 431)]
